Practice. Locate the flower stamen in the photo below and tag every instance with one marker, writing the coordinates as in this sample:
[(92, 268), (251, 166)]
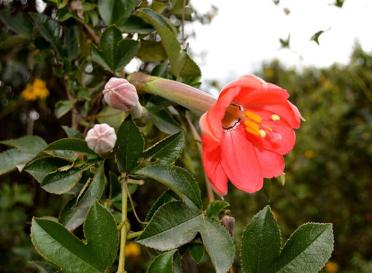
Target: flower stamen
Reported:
[(275, 117)]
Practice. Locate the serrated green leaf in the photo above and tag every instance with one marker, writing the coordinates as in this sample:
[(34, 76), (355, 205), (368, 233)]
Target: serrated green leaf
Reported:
[(260, 243), (215, 208), (63, 107), (129, 145), (168, 149), (70, 144), (75, 215), (179, 180), (218, 244), (25, 149), (173, 224), (57, 245), (14, 159), (162, 263), (166, 197), (41, 167), (61, 181), (116, 11), (307, 250), (30, 144)]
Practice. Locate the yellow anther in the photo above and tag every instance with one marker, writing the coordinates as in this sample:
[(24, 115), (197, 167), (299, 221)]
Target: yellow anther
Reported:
[(253, 132), (262, 133), (253, 116), (251, 125), (275, 117)]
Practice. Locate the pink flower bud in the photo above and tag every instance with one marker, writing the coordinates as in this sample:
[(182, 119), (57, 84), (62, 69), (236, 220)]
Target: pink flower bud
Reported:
[(101, 138), (120, 94)]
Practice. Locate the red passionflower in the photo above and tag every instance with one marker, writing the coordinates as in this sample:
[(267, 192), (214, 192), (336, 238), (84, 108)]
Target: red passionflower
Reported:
[(246, 133)]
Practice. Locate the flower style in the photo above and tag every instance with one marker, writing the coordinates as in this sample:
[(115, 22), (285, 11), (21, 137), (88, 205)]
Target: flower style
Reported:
[(246, 133), (101, 138)]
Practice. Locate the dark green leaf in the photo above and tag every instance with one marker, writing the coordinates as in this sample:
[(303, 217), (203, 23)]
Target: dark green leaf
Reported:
[(151, 51), (178, 180), (17, 22), (63, 107), (111, 116), (197, 252), (166, 197), (71, 42), (218, 244), (61, 181), (168, 149), (14, 41), (316, 36), (41, 167), (173, 225), (260, 243), (60, 247), (215, 208), (307, 250), (135, 24), (285, 43), (75, 215), (162, 263), (72, 132), (50, 29), (71, 144), (181, 63), (30, 144), (14, 159), (163, 120), (129, 145), (114, 52), (339, 3), (116, 11)]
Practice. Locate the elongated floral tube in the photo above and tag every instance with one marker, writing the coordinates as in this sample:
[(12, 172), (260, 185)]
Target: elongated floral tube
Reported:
[(182, 94)]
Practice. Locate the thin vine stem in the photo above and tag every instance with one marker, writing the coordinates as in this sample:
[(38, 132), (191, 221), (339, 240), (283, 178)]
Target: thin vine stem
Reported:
[(124, 226)]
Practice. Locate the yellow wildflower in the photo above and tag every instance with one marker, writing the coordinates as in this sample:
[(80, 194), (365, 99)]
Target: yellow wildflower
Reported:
[(331, 267), (37, 90), (309, 154), (132, 250)]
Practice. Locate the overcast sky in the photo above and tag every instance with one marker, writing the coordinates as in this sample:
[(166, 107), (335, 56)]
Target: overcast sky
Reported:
[(246, 32)]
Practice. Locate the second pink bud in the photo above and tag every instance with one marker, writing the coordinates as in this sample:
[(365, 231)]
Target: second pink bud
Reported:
[(120, 94)]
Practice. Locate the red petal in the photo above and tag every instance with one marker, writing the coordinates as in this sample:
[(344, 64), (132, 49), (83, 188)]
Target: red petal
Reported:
[(213, 168), (240, 162), (272, 164)]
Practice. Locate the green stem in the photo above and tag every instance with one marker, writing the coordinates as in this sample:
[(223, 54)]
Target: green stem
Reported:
[(135, 234), (124, 226), (182, 94)]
